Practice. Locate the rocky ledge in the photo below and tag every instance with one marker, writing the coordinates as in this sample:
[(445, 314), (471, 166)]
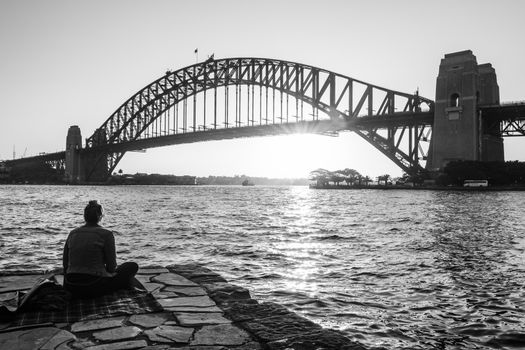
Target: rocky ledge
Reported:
[(202, 311)]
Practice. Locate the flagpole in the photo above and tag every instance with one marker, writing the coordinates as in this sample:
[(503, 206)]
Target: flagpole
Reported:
[(196, 55)]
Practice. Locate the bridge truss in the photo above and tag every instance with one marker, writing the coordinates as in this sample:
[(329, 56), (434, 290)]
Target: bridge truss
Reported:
[(243, 97), (508, 118)]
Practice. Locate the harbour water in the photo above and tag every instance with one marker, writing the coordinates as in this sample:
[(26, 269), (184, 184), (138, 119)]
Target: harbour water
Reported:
[(399, 269)]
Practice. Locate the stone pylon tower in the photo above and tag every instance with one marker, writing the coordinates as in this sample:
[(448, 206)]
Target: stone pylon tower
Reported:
[(81, 164), (73, 146), (459, 132)]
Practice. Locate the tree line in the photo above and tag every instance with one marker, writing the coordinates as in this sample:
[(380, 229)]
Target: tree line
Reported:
[(511, 173), (350, 177)]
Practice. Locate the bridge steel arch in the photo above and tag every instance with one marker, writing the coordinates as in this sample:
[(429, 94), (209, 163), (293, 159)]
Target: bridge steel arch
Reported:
[(395, 123)]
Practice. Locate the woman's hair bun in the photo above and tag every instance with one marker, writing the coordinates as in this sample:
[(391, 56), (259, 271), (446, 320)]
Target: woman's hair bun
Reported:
[(93, 212)]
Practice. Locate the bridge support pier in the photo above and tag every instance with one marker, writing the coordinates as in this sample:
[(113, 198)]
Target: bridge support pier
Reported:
[(459, 132), (73, 147), (81, 165), (94, 167)]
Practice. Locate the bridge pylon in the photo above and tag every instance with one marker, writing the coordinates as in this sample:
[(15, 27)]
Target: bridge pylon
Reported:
[(458, 131), (73, 147), (82, 165)]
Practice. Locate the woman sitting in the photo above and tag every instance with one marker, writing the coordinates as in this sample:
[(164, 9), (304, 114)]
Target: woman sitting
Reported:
[(90, 261)]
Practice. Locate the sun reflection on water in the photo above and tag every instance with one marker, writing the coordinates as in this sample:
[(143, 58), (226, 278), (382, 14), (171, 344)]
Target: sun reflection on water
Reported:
[(299, 249)]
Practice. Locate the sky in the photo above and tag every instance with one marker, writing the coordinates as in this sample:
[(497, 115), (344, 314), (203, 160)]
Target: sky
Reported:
[(68, 62)]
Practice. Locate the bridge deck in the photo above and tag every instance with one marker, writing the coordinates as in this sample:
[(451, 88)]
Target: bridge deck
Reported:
[(312, 127), (48, 157), (501, 112)]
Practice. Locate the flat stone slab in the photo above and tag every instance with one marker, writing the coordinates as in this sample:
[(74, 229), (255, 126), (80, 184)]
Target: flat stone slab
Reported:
[(165, 295), (188, 291), (58, 339), (211, 309), (197, 319), (224, 334), (143, 279), (171, 279), (169, 334), (124, 345), (152, 270), (93, 325), (81, 343), (120, 333), (151, 287), (14, 283), (206, 279), (191, 269), (149, 320), (27, 338), (201, 301), (196, 273)]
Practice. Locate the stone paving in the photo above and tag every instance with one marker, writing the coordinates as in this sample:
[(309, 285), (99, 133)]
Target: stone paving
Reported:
[(201, 312)]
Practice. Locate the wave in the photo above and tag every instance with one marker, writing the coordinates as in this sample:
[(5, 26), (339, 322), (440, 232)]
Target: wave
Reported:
[(329, 238), (263, 276)]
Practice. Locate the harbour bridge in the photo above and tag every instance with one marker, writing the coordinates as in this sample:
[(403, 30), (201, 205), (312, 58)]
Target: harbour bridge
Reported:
[(242, 97)]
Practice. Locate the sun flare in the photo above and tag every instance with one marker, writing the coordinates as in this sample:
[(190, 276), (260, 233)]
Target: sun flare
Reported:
[(295, 154)]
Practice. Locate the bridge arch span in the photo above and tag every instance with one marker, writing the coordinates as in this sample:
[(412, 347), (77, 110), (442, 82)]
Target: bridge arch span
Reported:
[(153, 112)]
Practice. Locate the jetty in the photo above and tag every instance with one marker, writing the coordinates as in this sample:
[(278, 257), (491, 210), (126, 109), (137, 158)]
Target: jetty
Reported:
[(189, 307)]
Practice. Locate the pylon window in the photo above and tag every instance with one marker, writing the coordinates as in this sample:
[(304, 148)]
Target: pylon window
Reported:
[(454, 100)]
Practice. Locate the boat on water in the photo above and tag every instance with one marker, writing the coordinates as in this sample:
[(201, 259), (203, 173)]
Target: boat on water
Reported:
[(247, 183)]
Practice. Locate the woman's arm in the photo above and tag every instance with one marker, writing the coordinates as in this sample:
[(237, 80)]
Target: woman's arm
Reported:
[(110, 254), (65, 257)]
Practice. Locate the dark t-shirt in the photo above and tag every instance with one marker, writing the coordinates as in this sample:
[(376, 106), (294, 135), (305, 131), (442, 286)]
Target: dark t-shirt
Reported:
[(90, 249)]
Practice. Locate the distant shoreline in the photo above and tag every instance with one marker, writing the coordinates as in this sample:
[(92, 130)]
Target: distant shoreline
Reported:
[(420, 188), (314, 187), (159, 184)]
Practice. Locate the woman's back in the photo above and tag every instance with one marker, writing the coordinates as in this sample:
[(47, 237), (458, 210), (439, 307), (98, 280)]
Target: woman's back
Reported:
[(90, 250)]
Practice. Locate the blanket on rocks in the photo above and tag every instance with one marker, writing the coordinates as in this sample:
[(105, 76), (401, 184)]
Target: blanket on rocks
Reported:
[(48, 302)]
